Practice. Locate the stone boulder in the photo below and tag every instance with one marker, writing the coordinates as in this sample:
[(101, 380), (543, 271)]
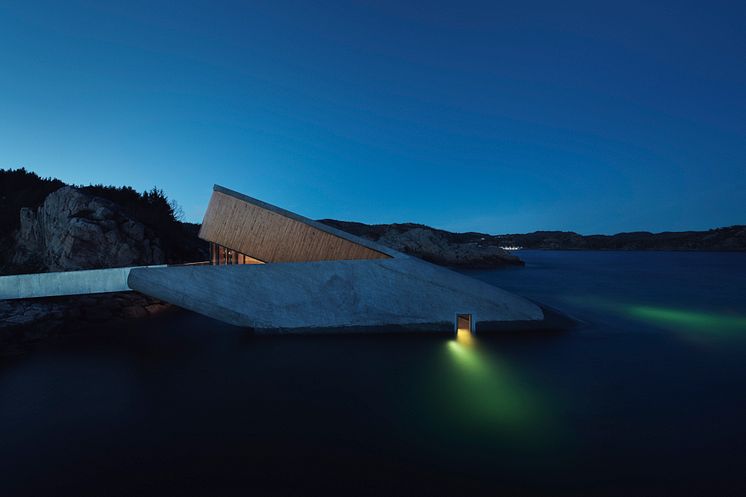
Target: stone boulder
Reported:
[(73, 230), (25, 321)]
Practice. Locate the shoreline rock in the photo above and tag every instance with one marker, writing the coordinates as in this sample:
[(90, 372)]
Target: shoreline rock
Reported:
[(73, 230), (27, 321), (462, 250)]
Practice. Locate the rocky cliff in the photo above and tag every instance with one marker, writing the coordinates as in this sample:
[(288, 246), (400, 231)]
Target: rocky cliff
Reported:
[(46, 225), (74, 230), (466, 250)]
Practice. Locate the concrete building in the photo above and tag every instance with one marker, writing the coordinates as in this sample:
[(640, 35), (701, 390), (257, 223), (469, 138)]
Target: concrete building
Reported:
[(278, 272)]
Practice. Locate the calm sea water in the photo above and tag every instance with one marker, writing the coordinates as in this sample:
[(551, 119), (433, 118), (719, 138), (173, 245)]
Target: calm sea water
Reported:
[(648, 397)]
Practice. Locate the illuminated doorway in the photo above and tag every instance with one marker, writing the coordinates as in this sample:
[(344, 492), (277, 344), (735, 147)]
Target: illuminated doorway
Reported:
[(464, 323), (464, 328)]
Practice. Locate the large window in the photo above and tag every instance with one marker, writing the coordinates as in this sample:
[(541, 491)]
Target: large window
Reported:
[(224, 255)]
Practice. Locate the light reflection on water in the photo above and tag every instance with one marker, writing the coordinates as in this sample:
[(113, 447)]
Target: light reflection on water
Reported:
[(688, 321), (692, 323), (696, 297), (481, 393)]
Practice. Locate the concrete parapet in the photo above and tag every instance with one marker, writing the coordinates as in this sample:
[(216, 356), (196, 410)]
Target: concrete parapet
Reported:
[(23, 286)]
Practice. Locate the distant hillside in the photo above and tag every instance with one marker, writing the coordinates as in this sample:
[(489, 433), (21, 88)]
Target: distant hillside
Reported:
[(467, 250), (731, 238), (720, 239)]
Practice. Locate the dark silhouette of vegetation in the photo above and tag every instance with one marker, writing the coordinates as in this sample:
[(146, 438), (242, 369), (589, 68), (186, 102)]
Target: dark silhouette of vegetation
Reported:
[(21, 188), (159, 213)]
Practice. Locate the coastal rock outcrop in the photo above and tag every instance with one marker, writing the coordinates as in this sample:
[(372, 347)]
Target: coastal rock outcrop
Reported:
[(435, 247), (466, 250), (73, 230), (23, 322)]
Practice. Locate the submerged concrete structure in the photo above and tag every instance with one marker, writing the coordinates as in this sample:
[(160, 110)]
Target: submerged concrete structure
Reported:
[(278, 272)]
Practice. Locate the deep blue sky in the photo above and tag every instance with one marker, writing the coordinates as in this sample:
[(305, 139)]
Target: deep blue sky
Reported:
[(495, 116)]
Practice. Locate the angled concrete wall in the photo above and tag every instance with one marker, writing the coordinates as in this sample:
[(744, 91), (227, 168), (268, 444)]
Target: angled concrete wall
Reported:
[(23, 286), (333, 295)]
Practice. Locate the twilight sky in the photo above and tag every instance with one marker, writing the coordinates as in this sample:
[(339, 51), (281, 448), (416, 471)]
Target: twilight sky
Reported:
[(596, 117)]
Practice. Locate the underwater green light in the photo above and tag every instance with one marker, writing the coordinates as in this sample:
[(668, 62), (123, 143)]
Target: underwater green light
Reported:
[(486, 393), (689, 319)]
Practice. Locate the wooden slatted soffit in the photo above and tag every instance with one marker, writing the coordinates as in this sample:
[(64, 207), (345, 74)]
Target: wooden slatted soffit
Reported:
[(267, 234)]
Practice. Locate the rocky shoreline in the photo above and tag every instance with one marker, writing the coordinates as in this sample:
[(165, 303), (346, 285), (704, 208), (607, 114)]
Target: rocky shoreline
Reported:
[(27, 321), (461, 250)]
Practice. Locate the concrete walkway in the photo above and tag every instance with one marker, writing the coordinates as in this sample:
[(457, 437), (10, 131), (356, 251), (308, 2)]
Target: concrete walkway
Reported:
[(24, 286)]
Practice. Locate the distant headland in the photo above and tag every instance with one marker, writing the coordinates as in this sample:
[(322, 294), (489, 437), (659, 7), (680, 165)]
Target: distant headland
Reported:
[(421, 239)]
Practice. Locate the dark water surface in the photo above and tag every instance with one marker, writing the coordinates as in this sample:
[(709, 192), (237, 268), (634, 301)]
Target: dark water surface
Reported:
[(647, 398)]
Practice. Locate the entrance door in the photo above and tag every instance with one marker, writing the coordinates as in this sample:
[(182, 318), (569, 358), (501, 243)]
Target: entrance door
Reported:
[(464, 323)]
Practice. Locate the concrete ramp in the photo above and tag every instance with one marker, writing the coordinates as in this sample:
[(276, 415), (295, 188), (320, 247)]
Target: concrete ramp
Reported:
[(25, 286), (327, 296)]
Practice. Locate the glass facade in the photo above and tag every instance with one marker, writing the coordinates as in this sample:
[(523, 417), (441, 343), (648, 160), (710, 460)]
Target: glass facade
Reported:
[(224, 255)]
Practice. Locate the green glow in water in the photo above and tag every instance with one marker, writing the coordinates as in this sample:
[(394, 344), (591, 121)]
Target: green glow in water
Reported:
[(693, 323), (484, 394), (691, 320)]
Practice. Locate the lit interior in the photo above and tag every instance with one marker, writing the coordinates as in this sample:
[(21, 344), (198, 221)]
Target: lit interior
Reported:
[(464, 329), (224, 255)]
